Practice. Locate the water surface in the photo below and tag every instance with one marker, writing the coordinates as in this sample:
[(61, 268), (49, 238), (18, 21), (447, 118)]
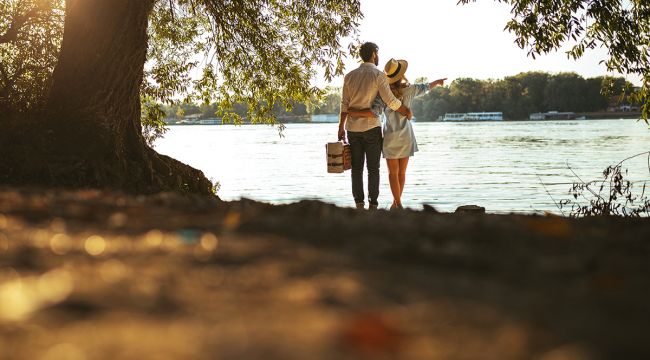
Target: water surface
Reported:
[(497, 165)]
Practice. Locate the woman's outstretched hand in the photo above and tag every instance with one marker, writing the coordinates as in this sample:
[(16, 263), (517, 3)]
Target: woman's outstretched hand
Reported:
[(439, 82)]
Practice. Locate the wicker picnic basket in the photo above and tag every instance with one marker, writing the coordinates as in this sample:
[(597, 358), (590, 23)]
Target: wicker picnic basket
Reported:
[(339, 157)]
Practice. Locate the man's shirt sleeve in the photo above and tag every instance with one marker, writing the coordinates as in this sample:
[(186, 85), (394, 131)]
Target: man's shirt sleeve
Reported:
[(345, 96), (385, 93)]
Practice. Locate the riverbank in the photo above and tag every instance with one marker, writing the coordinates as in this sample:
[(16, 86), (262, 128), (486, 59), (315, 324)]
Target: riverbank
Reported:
[(605, 115), (334, 118), (97, 275)]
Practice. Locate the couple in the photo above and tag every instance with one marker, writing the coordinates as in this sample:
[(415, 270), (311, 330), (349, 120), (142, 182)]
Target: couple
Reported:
[(367, 92)]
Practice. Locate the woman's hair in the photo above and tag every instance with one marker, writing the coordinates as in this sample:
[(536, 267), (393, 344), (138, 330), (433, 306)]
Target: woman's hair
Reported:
[(398, 87)]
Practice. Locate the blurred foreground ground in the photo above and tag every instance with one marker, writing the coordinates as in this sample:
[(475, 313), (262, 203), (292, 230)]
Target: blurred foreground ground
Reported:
[(96, 275)]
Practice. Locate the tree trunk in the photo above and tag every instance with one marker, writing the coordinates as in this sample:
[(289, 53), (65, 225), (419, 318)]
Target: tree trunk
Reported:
[(90, 135)]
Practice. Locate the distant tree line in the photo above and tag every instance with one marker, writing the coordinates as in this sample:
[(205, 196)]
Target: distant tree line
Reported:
[(516, 96), (209, 111), (520, 95), (329, 102)]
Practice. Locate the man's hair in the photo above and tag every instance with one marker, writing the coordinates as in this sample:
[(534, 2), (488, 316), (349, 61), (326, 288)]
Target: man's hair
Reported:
[(366, 50)]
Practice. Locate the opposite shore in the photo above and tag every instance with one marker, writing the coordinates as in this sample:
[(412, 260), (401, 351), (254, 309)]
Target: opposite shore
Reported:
[(334, 118)]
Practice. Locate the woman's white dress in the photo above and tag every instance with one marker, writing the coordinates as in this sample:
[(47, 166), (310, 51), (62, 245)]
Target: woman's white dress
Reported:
[(399, 138)]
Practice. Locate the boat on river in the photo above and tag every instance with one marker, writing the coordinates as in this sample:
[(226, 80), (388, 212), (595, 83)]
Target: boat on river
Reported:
[(474, 116), (553, 115)]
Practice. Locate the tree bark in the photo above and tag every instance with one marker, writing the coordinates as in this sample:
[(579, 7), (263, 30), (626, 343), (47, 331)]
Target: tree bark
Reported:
[(90, 135), (97, 79)]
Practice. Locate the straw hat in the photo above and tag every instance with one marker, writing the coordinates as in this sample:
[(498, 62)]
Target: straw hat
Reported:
[(395, 70)]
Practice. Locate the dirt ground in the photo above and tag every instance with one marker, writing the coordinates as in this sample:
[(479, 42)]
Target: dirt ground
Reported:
[(100, 275)]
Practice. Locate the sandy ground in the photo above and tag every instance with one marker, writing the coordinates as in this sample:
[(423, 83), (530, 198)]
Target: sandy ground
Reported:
[(98, 275)]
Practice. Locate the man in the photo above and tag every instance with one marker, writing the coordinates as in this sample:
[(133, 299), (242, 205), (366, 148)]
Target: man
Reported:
[(360, 87)]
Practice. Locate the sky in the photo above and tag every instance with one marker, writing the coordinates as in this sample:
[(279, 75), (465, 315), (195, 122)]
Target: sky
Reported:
[(441, 39)]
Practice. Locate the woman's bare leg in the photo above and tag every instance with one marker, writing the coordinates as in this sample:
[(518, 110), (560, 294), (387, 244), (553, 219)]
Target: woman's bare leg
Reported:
[(393, 179), (403, 163)]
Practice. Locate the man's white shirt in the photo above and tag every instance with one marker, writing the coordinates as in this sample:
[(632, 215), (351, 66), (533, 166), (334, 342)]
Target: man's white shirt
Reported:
[(360, 87)]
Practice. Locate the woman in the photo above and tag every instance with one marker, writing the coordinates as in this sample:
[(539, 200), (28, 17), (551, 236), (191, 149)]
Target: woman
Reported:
[(399, 138)]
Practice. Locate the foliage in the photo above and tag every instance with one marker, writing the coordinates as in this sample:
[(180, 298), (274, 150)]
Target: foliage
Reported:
[(30, 37), (153, 126), (330, 102), (178, 110), (623, 27), (216, 186), (619, 197), (252, 59), (173, 42), (255, 55), (262, 53), (517, 96), (520, 95)]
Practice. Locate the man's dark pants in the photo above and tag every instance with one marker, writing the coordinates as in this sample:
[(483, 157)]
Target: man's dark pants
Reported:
[(365, 146)]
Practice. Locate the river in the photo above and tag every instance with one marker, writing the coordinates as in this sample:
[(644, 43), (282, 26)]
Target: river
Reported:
[(502, 166)]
